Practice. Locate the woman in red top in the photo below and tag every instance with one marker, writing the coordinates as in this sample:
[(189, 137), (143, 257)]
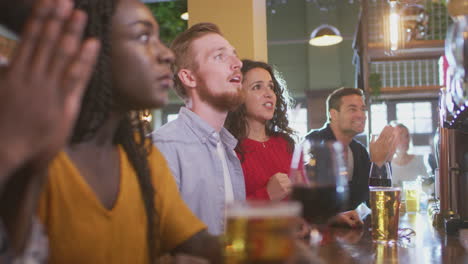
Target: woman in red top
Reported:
[(261, 126)]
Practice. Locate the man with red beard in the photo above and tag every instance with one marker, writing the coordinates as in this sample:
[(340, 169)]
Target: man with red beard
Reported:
[(198, 149)]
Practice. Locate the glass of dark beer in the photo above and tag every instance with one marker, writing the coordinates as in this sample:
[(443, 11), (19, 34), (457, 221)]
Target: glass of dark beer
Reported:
[(320, 181)]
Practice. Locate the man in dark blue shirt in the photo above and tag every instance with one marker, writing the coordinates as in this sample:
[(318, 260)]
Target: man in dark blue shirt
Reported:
[(346, 110)]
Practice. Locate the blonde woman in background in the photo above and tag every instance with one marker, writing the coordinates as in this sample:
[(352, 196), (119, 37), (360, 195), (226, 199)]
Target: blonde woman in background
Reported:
[(406, 166)]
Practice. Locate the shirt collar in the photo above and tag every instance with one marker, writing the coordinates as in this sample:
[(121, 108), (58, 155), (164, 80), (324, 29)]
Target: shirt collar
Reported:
[(228, 138), (329, 132), (331, 136), (204, 131)]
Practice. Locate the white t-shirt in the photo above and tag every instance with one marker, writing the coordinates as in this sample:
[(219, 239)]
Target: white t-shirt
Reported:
[(350, 164), (408, 172), (228, 191)]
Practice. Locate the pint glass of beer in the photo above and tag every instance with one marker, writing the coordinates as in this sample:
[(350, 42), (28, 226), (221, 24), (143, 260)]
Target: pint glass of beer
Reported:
[(412, 190), (260, 231), (385, 253), (385, 206)]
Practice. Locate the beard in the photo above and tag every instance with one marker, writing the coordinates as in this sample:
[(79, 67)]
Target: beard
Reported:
[(225, 101), (351, 131)]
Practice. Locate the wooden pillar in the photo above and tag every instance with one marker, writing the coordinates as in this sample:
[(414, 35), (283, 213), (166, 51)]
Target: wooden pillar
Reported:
[(365, 47), (365, 63), (242, 22)]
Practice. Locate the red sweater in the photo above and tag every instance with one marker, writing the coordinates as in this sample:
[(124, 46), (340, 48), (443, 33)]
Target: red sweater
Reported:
[(260, 162)]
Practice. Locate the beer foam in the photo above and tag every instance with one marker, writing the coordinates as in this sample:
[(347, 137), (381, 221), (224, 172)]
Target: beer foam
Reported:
[(262, 209), (385, 189)]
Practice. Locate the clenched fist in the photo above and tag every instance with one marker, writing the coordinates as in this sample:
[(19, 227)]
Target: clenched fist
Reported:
[(279, 186)]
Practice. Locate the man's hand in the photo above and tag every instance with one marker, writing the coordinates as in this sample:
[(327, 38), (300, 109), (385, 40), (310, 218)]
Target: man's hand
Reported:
[(383, 148), (43, 85), (348, 218), (303, 229), (279, 186)]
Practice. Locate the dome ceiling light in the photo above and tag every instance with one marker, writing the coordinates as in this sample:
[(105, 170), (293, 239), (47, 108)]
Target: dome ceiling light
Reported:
[(325, 35)]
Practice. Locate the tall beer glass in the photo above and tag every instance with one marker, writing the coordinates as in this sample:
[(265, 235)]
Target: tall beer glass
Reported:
[(385, 205)]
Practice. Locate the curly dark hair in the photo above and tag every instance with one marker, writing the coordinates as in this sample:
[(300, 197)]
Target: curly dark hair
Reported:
[(97, 104), (236, 121)]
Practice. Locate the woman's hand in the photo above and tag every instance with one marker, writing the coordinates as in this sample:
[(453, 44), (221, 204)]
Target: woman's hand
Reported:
[(279, 186), (43, 85)]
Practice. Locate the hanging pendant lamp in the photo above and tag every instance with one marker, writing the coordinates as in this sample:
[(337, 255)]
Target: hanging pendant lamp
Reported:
[(325, 35)]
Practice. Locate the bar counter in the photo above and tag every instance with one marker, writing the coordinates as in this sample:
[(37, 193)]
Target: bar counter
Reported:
[(427, 245)]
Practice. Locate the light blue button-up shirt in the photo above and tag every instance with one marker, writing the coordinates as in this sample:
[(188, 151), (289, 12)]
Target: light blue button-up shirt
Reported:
[(189, 146)]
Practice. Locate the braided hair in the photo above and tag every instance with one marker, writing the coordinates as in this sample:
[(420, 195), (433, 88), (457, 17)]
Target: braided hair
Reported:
[(97, 104)]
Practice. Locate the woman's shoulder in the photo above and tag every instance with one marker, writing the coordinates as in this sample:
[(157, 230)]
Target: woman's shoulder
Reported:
[(155, 155), (418, 158), (60, 164), (284, 138), (283, 142)]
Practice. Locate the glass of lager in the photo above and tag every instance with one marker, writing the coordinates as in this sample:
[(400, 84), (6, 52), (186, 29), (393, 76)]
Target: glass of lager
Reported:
[(385, 206), (385, 253), (412, 190), (260, 231)]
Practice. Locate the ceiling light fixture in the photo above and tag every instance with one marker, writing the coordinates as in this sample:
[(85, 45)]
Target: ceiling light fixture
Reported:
[(325, 35), (184, 16), (394, 19)]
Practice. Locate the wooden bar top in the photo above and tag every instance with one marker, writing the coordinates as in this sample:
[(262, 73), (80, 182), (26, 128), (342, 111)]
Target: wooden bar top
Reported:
[(427, 245)]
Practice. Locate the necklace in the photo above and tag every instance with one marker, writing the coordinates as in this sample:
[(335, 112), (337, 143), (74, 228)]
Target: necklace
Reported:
[(264, 141), (261, 141)]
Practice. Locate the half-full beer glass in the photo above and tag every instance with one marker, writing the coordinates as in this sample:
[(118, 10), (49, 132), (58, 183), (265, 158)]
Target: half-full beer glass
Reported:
[(412, 191), (260, 231), (385, 205)]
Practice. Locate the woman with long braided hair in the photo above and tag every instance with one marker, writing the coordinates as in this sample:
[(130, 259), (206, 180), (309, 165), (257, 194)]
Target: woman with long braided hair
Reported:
[(110, 196)]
